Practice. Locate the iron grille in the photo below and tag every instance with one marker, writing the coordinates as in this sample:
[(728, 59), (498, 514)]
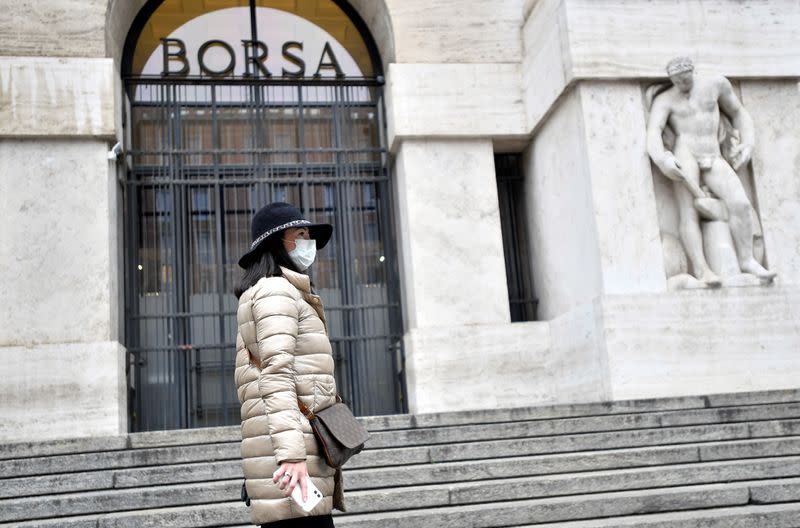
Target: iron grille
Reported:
[(205, 155)]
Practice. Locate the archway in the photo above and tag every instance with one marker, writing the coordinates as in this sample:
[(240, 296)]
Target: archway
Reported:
[(120, 16), (228, 109)]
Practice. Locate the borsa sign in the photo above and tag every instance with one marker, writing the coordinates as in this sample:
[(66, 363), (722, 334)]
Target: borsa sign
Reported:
[(176, 61), (222, 43)]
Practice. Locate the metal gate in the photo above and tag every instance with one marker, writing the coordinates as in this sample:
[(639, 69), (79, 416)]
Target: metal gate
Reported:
[(204, 156)]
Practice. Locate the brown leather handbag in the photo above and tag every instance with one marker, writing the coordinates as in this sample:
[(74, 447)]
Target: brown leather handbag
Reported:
[(338, 433)]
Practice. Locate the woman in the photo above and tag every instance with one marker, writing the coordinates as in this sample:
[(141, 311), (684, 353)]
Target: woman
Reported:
[(282, 354)]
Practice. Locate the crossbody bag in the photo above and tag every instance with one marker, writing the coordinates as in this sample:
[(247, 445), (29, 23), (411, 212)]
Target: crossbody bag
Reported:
[(339, 434)]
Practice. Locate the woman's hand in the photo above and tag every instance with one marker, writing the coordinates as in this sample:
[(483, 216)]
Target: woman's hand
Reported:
[(298, 472)]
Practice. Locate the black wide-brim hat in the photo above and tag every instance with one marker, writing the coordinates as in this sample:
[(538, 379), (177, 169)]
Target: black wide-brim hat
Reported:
[(271, 219)]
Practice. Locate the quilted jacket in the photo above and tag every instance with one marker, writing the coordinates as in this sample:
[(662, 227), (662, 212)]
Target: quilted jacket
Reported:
[(282, 353)]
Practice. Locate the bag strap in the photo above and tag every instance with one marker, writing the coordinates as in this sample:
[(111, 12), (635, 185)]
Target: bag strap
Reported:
[(307, 412)]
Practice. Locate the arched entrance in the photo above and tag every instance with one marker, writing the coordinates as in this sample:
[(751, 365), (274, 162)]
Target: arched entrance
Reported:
[(228, 109)]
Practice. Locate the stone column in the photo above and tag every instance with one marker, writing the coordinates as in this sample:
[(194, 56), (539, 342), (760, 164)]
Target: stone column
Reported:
[(592, 212), (452, 261), (61, 362), (623, 202), (592, 224), (450, 231), (446, 116)]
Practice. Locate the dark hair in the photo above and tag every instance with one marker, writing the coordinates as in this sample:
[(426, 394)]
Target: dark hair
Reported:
[(266, 264)]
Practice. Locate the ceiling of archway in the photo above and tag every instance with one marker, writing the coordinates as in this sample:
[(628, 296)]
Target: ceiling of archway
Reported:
[(172, 14)]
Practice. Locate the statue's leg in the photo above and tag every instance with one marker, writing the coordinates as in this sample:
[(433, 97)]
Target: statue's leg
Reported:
[(689, 227), (725, 183)]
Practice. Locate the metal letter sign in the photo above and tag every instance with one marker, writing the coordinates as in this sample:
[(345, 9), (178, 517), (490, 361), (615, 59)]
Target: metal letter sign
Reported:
[(201, 54), (297, 60), (180, 55), (300, 42), (257, 59)]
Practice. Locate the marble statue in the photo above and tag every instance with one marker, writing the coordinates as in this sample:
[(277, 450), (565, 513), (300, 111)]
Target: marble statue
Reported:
[(701, 112)]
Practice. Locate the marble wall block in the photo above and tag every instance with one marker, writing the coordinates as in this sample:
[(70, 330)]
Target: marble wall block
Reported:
[(449, 228), (55, 28), (63, 390), (623, 201), (454, 100), (775, 107), (59, 242), (565, 250), (455, 368), (702, 341), (57, 97), (577, 344), (456, 31), (591, 215), (545, 59), (630, 38), (569, 40)]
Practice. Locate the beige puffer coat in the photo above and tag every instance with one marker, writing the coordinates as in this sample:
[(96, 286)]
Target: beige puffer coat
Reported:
[(283, 352)]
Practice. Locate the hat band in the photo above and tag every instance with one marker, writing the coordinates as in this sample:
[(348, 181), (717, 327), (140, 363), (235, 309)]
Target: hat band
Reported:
[(276, 229)]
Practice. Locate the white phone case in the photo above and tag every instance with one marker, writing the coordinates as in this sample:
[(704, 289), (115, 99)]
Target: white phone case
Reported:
[(314, 496)]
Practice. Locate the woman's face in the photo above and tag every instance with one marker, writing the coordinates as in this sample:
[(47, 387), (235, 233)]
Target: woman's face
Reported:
[(292, 234)]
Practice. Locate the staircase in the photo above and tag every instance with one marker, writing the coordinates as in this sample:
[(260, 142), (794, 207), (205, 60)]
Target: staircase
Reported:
[(721, 461)]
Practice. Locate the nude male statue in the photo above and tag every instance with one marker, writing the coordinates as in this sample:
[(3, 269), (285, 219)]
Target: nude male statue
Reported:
[(691, 108)]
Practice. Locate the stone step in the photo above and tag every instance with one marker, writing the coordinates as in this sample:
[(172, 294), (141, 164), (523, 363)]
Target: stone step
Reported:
[(752, 448), (569, 508), (530, 481), (586, 461), (213, 435), (95, 502), (483, 515), (769, 516), (428, 494), (120, 478), (569, 443), (555, 427), (58, 464), (580, 486), (563, 464), (373, 457), (194, 516), (408, 475)]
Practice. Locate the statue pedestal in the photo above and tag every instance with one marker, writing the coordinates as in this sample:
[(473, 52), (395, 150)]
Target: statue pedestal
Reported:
[(700, 341)]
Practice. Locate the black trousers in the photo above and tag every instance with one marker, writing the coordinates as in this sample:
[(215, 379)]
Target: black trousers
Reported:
[(315, 521)]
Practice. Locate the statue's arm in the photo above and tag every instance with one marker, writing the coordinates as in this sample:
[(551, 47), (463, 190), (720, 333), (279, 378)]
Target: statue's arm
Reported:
[(659, 113), (664, 159), (741, 120)]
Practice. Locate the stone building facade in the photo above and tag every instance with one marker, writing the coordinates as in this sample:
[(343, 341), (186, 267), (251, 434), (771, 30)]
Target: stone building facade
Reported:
[(561, 84)]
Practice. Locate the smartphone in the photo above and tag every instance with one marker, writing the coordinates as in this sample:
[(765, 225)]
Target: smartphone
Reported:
[(314, 496)]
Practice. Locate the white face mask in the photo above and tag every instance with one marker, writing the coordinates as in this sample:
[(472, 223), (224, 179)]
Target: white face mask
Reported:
[(304, 252)]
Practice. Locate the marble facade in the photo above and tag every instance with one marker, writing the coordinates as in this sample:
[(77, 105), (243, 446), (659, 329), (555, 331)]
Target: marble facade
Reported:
[(651, 341), (561, 81)]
